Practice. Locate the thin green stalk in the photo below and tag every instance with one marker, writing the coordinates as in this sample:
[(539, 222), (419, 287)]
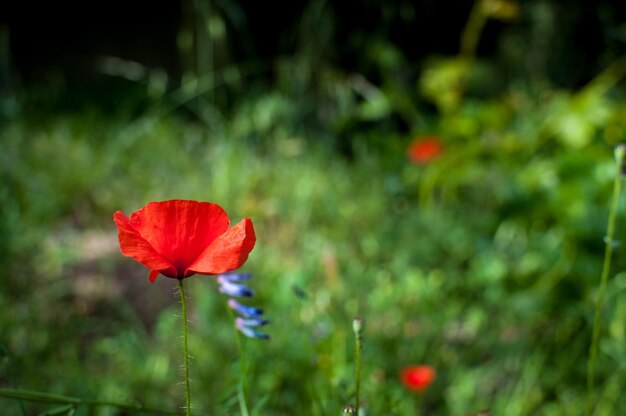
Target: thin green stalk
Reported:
[(357, 376), (620, 151), (9, 373), (241, 392), (204, 43), (185, 353), (473, 29), (357, 326), (43, 397)]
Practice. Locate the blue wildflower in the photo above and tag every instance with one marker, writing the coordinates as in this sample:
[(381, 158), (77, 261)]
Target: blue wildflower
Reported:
[(251, 322), (233, 289), (244, 310), (248, 331), (235, 277), (250, 317)]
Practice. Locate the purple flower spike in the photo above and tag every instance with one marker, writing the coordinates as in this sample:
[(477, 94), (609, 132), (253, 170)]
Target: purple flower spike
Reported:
[(249, 317), (234, 277), (244, 310), (234, 289), (250, 332), (239, 322)]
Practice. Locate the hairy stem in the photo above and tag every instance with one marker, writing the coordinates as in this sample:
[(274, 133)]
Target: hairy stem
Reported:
[(183, 301)]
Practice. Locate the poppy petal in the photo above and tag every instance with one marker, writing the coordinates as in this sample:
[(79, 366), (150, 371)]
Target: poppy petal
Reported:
[(424, 150), (132, 244), (418, 378), (228, 252), (180, 230), (153, 275)]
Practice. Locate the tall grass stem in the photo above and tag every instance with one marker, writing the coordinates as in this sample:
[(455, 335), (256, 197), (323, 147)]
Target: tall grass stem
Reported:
[(44, 397), (241, 386), (473, 29), (620, 151)]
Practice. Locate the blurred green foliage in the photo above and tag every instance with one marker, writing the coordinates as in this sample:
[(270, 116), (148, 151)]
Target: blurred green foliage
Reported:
[(483, 263)]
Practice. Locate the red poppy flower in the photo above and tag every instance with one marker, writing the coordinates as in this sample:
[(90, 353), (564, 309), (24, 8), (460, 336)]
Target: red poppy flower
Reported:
[(418, 377), (425, 149), (181, 238)]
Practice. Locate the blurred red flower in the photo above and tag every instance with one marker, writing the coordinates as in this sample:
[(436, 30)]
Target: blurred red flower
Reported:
[(180, 238), (424, 149), (418, 377)]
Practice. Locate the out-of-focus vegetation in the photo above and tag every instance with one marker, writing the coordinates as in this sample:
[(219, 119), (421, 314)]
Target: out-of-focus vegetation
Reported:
[(483, 263)]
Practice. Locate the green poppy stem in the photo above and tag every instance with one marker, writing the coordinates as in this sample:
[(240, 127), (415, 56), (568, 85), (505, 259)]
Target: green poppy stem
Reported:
[(185, 353), (620, 152), (357, 375), (357, 326)]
